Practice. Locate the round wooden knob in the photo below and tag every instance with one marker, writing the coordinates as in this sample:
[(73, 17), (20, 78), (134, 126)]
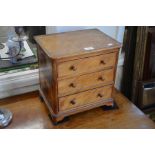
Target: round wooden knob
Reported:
[(73, 68), (102, 62), (100, 95), (101, 78), (73, 102), (72, 85)]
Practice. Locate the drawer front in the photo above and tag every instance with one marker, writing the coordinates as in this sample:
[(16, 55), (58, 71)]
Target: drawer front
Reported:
[(86, 65), (84, 82), (83, 98)]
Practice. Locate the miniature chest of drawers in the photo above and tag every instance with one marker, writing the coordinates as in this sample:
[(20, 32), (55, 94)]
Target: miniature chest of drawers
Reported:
[(76, 71)]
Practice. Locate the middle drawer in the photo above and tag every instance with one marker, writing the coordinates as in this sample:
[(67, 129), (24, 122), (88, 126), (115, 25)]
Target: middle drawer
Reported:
[(84, 82)]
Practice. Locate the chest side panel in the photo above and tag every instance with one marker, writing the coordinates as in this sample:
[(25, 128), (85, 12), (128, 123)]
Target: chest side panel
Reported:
[(47, 77)]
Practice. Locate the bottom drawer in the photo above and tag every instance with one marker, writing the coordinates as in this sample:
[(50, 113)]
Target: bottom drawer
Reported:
[(87, 97)]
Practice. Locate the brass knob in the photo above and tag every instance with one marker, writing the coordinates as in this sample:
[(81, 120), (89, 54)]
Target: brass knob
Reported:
[(100, 95), (73, 68), (73, 102), (72, 85), (102, 62), (101, 78)]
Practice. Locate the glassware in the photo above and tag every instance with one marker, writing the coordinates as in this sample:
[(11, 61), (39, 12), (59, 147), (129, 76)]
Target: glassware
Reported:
[(5, 117)]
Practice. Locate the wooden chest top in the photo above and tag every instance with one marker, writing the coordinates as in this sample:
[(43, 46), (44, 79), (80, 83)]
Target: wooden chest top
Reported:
[(75, 43)]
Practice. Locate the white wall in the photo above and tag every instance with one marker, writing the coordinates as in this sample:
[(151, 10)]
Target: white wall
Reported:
[(109, 30)]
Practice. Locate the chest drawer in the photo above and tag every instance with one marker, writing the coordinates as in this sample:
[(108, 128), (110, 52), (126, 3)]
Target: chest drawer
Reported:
[(84, 82), (83, 98), (86, 65)]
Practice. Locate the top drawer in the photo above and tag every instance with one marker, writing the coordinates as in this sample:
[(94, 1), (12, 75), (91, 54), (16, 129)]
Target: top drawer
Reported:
[(86, 65)]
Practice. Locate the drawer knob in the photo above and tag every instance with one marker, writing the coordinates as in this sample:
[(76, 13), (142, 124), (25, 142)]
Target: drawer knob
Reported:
[(101, 78), (73, 102), (100, 95), (73, 68), (102, 62), (72, 85)]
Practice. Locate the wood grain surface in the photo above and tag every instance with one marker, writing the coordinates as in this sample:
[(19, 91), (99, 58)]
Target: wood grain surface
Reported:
[(85, 82), (86, 65), (89, 57), (63, 45), (30, 113), (86, 97)]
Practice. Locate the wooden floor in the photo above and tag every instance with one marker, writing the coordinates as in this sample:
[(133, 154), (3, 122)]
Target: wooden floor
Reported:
[(29, 112)]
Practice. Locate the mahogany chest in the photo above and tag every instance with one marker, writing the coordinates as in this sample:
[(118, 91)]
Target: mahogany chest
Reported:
[(76, 71)]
